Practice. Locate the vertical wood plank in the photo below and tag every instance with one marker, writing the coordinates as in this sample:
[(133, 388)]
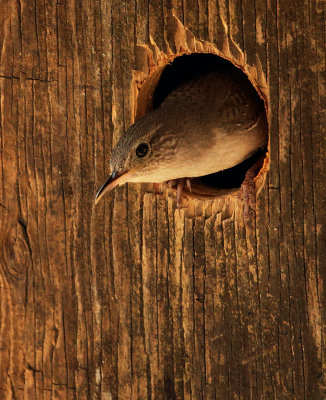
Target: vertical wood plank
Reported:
[(135, 298)]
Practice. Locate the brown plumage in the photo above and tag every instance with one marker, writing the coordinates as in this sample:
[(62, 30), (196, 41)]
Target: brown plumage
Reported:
[(204, 126)]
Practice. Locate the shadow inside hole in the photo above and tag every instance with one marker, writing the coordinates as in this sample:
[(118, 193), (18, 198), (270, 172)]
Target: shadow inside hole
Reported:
[(183, 69), (187, 67)]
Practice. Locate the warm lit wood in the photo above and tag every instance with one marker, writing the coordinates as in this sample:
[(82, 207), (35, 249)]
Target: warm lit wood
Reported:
[(134, 299)]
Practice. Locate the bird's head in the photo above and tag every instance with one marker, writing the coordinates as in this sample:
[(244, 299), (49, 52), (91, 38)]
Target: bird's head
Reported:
[(143, 154)]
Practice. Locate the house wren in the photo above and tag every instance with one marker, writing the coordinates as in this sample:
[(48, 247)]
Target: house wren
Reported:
[(206, 125)]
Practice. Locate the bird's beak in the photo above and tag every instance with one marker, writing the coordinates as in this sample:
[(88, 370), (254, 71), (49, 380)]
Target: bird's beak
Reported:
[(115, 179)]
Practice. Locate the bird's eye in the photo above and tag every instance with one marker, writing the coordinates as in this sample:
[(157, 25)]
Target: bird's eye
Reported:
[(142, 150)]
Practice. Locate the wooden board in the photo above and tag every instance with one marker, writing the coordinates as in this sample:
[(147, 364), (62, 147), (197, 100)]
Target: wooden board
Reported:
[(134, 299)]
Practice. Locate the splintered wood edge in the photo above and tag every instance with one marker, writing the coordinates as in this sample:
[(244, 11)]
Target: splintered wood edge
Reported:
[(151, 62)]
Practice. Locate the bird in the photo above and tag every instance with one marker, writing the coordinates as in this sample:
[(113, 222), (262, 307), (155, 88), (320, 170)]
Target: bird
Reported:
[(207, 124)]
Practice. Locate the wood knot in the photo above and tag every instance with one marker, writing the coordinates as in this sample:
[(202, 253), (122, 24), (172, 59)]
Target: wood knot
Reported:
[(15, 254)]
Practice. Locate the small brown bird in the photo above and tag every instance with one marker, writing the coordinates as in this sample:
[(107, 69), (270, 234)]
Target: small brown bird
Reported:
[(206, 125)]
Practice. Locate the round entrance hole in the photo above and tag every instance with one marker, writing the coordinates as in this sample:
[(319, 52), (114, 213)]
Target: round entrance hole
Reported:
[(178, 72)]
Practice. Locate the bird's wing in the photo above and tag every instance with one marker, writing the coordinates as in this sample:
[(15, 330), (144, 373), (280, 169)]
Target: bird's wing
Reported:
[(241, 107), (223, 99)]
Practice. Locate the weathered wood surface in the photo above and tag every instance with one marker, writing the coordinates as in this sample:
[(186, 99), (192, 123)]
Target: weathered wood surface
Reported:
[(134, 299)]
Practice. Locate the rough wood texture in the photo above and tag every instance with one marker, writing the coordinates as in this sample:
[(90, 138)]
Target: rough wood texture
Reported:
[(135, 299)]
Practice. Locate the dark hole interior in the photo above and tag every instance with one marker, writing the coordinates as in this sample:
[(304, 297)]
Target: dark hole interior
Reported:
[(181, 70)]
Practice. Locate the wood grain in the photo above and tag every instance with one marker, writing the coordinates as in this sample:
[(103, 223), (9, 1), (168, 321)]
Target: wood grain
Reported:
[(135, 299)]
